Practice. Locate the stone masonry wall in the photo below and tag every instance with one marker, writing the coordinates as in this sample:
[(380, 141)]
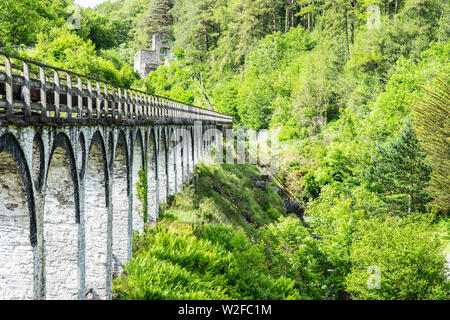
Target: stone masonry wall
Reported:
[(60, 231), (66, 203), (16, 253)]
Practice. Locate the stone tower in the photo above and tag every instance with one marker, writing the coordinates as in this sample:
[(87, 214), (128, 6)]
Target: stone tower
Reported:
[(146, 61)]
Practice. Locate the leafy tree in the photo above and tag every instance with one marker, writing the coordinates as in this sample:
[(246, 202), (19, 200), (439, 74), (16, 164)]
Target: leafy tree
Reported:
[(396, 259), (334, 217), (104, 31), (399, 174), (64, 49), (21, 21), (173, 82), (288, 244)]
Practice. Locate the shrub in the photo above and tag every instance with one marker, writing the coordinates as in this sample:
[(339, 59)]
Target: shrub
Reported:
[(409, 256), (293, 253)]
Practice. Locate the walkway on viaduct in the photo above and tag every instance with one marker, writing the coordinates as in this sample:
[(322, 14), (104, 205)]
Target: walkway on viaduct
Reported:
[(72, 151)]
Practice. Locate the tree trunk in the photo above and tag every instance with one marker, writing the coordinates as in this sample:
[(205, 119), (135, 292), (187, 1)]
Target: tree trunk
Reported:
[(274, 20), (346, 32), (309, 21), (286, 23), (202, 89)]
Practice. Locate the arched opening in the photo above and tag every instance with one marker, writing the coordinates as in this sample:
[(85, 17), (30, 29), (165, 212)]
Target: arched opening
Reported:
[(120, 192), (188, 154), (96, 220), (162, 167), (153, 188), (138, 214), (60, 230), (180, 162), (172, 172), (17, 224)]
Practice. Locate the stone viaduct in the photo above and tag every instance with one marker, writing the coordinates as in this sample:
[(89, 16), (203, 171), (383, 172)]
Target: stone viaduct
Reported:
[(74, 152)]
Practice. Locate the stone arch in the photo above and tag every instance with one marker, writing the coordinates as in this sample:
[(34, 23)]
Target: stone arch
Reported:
[(61, 223), (138, 216), (38, 161), (163, 166), (96, 219), (18, 236), (172, 168), (120, 198), (153, 183)]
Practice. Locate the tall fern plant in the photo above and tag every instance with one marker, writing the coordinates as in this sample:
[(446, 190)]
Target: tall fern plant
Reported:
[(432, 123)]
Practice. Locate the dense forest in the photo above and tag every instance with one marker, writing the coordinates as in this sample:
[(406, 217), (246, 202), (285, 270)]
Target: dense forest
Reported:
[(360, 92)]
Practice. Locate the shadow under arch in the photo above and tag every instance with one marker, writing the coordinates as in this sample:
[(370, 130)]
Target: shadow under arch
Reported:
[(19, 258), (9, 144), (171, 165), (163, 166)]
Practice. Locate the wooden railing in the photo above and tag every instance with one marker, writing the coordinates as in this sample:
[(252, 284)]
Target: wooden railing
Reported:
[(32, 91)]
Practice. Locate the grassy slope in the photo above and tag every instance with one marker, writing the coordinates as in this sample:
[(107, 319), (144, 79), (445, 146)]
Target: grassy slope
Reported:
[(226, 194)]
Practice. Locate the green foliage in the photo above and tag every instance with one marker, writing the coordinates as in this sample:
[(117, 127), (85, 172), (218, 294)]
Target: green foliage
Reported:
[(432, 122), (158, 19), (22, 21), (408, 255), (227, 194), (142, 192), (173, 82), (399, 174), (333, 218), (292, 252), (266, 85), (175, 262), (64, 49)]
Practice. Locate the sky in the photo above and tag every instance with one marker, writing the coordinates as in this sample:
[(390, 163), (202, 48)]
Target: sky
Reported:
[(88, 3)]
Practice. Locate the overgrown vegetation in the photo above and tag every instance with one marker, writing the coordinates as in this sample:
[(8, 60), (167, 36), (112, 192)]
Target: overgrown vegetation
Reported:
[(208, 246)]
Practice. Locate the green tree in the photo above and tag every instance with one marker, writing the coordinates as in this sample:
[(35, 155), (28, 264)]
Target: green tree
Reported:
[(399, 174), (158, 19), (21, 21), (397, 259)]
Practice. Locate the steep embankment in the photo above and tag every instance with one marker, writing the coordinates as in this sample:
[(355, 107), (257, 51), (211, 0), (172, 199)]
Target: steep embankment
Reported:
[(218, 240), (234, 195)]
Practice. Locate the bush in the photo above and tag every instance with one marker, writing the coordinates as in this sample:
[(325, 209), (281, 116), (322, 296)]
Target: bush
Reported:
[(293, 253), (409, 256), (333, 218)]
